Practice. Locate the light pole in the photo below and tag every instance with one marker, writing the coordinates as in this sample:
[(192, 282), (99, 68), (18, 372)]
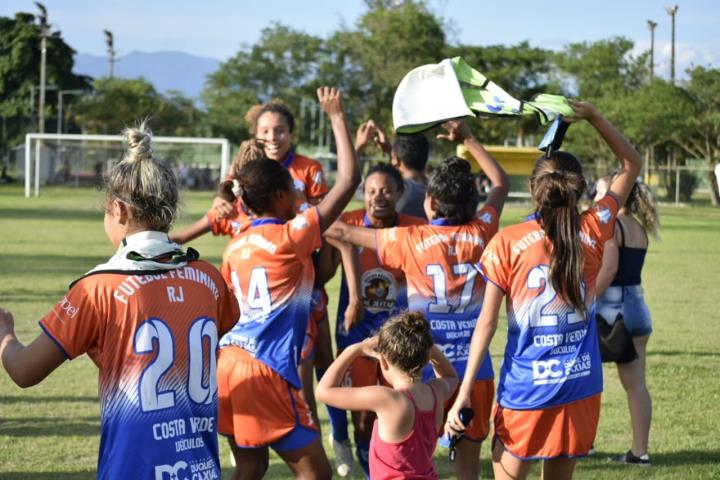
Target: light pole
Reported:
[(651, 25), (60, 105), (111, 51), (43, 56), (672, 10)]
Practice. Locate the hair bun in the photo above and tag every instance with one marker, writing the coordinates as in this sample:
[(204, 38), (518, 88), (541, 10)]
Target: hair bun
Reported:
[(416, 321), (139, 142)]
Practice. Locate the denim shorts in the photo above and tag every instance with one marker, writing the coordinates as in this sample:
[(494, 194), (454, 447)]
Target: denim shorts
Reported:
[(636, 314)]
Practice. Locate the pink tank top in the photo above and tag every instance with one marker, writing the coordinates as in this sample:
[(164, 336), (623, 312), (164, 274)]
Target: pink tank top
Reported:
[(411, 458)]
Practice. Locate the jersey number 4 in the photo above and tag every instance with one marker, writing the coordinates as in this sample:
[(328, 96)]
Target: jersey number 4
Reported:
[(153, 336), (441, 305)]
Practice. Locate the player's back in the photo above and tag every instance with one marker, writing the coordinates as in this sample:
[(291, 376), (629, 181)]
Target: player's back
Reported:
[(272, 275), (153, 336), (439, 261)]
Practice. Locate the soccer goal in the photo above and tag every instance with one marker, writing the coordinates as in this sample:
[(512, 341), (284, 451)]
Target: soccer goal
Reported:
[(78, 159)]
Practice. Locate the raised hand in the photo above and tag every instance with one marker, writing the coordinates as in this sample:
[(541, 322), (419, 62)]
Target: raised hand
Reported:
[(457, 131), (583, 110), (330, 100), (364, 133)]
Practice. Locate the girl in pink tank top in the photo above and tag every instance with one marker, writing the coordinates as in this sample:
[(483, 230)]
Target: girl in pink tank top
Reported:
[(409, 413)]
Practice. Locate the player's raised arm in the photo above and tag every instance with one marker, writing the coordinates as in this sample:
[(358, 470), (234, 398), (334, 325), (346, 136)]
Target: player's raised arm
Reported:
[(458, 131), (347, 178), (630, 160)]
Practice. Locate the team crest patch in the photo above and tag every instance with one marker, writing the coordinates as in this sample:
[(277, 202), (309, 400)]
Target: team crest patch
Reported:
[(379, 290), (299, 222), (603, 214)]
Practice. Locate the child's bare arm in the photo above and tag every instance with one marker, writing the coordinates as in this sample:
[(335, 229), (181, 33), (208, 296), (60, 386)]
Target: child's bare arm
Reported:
[(447, 379), (330, 392), (192, 231)]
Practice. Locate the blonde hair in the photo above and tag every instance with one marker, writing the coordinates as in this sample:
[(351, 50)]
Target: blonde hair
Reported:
[(147, 185), (405, 341), (641, 203)]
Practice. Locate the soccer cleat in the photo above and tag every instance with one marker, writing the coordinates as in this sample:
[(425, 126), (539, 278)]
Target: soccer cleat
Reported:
[(631, 459), (343, 456)]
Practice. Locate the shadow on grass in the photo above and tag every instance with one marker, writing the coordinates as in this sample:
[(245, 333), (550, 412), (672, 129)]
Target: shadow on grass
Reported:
[(48, 475), (8, 399), (681, 353), (600, 461), (65, 267), (92, 215), (50, 427)]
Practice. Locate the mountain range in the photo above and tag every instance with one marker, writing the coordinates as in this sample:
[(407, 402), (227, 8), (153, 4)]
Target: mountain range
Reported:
[(165, 70)]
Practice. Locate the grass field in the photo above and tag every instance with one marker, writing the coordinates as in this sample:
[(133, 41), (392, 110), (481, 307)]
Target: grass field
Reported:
[(52, 431)]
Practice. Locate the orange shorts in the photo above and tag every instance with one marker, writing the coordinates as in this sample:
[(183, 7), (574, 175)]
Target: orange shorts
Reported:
[(481, 401), (257, 407), (564, 431)]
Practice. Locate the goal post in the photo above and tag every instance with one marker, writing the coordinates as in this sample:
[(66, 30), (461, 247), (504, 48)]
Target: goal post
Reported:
[(81, 156)]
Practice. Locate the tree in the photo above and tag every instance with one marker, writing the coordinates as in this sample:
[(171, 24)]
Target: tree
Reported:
[(20, 72), (388, 41), (119, 102), (282, 64), (701, 137)]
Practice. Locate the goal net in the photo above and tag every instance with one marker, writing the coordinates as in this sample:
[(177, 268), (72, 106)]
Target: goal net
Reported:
[(83, 160)]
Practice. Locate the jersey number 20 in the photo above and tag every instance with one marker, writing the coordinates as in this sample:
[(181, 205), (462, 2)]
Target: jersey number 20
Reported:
[(154, 335)]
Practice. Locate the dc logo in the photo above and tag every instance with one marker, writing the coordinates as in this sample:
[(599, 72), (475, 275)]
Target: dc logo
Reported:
[(547, 369), (170, 472)]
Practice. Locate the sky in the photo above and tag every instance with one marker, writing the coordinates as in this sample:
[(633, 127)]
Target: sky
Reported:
[(218, 28)]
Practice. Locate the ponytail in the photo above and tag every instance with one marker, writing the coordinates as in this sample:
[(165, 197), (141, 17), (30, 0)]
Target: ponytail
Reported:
[(556, 184)]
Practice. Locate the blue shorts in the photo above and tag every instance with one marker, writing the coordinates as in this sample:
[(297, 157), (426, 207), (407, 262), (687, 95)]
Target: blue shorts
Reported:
[(635, 312)]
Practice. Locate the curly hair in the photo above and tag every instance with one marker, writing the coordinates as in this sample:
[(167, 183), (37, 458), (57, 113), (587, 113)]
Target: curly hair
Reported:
[(453, 188), (405, 341), (273, 106)]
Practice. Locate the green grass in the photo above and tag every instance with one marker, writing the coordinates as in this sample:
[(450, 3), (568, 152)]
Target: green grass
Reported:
[(52, 430)]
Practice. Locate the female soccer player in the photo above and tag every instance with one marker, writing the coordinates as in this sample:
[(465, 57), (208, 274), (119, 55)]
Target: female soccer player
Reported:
[(150, 319), (272, 273), (383, 292), (438, 260), (409, 412), (619, 291), (551, 377)]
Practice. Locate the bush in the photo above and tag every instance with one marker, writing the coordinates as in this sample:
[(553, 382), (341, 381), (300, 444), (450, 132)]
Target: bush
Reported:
[(689, 182)]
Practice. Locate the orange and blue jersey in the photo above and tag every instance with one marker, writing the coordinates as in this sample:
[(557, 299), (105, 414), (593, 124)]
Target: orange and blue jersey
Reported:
[(384, 290), (439, 261), (308, 180), (229, 226), (271, 272), (153, 336), (552, 356)]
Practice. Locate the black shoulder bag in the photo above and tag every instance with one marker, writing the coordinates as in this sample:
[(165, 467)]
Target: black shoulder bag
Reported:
[(616, 344)]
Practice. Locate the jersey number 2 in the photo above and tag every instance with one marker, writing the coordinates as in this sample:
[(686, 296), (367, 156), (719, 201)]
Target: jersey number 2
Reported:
[(154, 335), (547, 309)]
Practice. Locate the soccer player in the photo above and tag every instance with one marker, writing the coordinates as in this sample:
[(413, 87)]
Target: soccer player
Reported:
[(150, 319), (551, 378), (383, 292), (272, 273), (438, 260)]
